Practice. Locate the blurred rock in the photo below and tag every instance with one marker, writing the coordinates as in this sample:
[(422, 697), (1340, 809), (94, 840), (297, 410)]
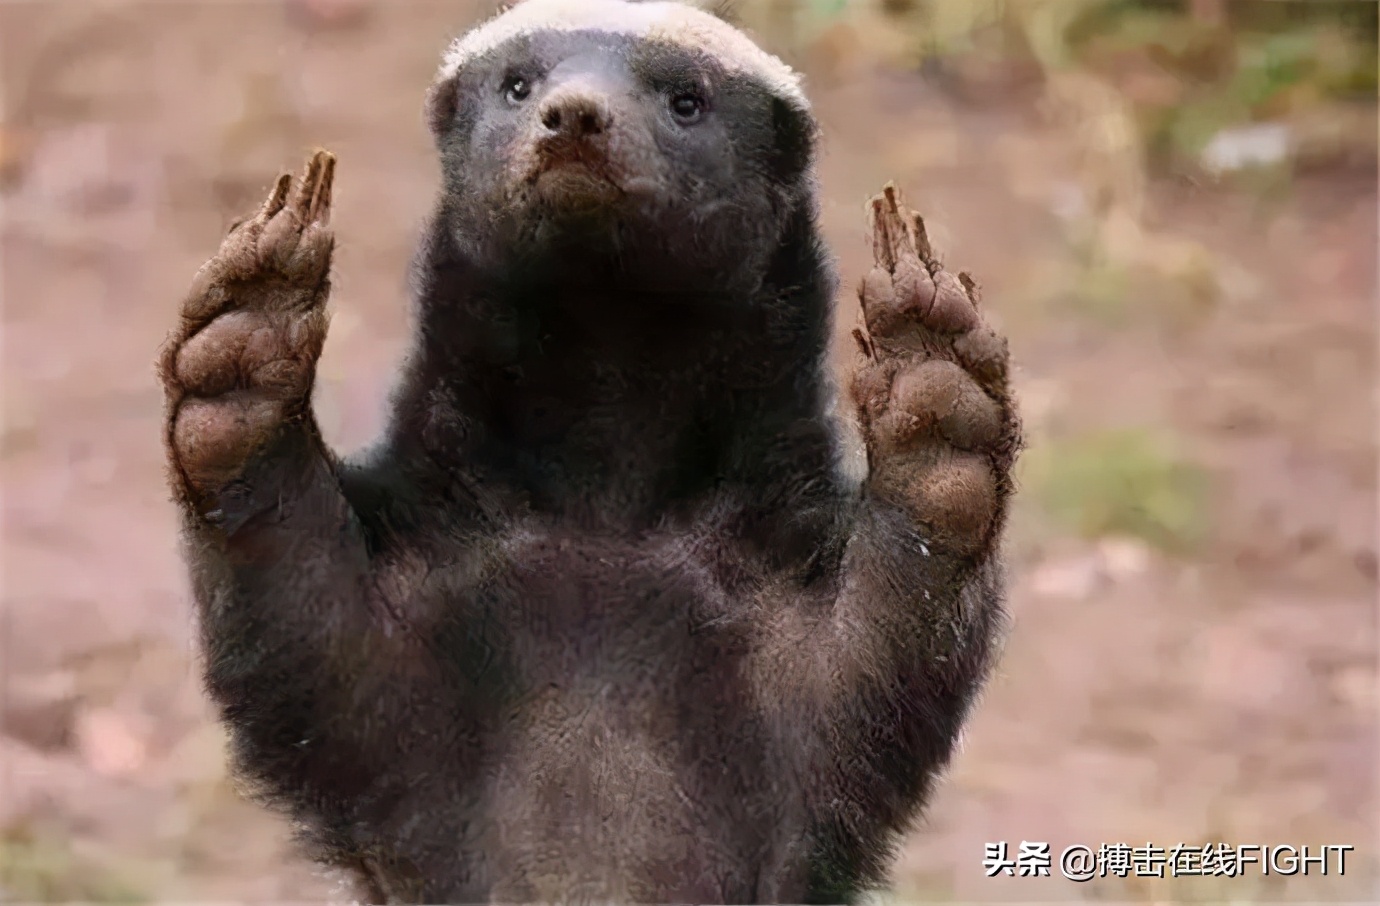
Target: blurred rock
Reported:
[(1123, 558), (1256, 145), (39, 710), (114, 744), (1072, 578), (1076, 577)]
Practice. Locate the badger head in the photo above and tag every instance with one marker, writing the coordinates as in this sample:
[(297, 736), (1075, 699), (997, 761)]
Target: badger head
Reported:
[(652, 134)]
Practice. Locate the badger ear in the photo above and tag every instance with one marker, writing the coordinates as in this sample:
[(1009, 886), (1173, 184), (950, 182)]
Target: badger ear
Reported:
[(440, 106)]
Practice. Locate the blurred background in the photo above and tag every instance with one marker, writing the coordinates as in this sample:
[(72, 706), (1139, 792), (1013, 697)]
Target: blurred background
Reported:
[(1171, 207)]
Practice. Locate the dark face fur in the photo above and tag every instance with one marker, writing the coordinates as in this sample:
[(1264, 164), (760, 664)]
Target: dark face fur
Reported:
[(592, 153)]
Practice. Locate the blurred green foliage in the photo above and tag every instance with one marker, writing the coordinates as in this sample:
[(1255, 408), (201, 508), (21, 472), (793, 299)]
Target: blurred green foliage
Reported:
[(1186, 75), (1120, 482), (41, 868), (1263, 61), (1171, 292)]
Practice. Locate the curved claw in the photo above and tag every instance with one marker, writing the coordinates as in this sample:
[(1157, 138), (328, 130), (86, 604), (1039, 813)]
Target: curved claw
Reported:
[(920, 238), (864, 344), (320, 210), (313, 197), (894, 237), (276, 198), (881, 245)]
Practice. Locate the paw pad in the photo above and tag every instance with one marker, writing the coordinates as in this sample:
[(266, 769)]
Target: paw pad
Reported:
[(252, 327), (931, 388)]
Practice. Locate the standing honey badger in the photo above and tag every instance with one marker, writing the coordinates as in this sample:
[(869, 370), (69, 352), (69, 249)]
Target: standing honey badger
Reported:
[(601, 617)]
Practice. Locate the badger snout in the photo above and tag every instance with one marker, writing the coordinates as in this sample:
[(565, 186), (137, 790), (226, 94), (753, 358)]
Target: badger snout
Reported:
[(588, 140), (574, 125), (574, 113), (579, 151)]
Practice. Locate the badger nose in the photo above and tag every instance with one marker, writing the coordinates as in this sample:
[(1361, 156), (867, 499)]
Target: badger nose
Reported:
[(575, 114)]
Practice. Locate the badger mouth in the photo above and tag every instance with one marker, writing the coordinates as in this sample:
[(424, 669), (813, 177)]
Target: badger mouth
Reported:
[(574, 174)]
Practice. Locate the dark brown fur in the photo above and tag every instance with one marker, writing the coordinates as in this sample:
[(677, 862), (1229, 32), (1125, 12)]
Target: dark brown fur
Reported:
[(601, 618)]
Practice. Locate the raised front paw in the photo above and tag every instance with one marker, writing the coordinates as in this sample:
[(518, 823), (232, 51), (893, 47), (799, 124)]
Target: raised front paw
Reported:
[(241, 362), (941, 428)]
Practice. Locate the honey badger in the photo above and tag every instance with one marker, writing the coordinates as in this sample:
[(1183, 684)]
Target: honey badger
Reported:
[(602, 616)]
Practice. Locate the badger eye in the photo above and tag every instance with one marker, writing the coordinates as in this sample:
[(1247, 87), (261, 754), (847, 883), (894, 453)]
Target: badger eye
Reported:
[(516, 90), (687, 107)]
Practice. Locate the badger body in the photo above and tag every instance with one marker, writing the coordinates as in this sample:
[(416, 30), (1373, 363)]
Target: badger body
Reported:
[(602, 617), (598, 741), (622, 395)]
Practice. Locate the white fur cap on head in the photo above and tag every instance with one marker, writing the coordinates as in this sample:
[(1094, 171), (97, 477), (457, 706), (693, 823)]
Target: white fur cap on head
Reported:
[(659, 20)]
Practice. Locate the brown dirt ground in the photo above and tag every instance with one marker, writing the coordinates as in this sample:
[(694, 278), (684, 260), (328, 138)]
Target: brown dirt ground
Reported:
[(1226, 693)]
